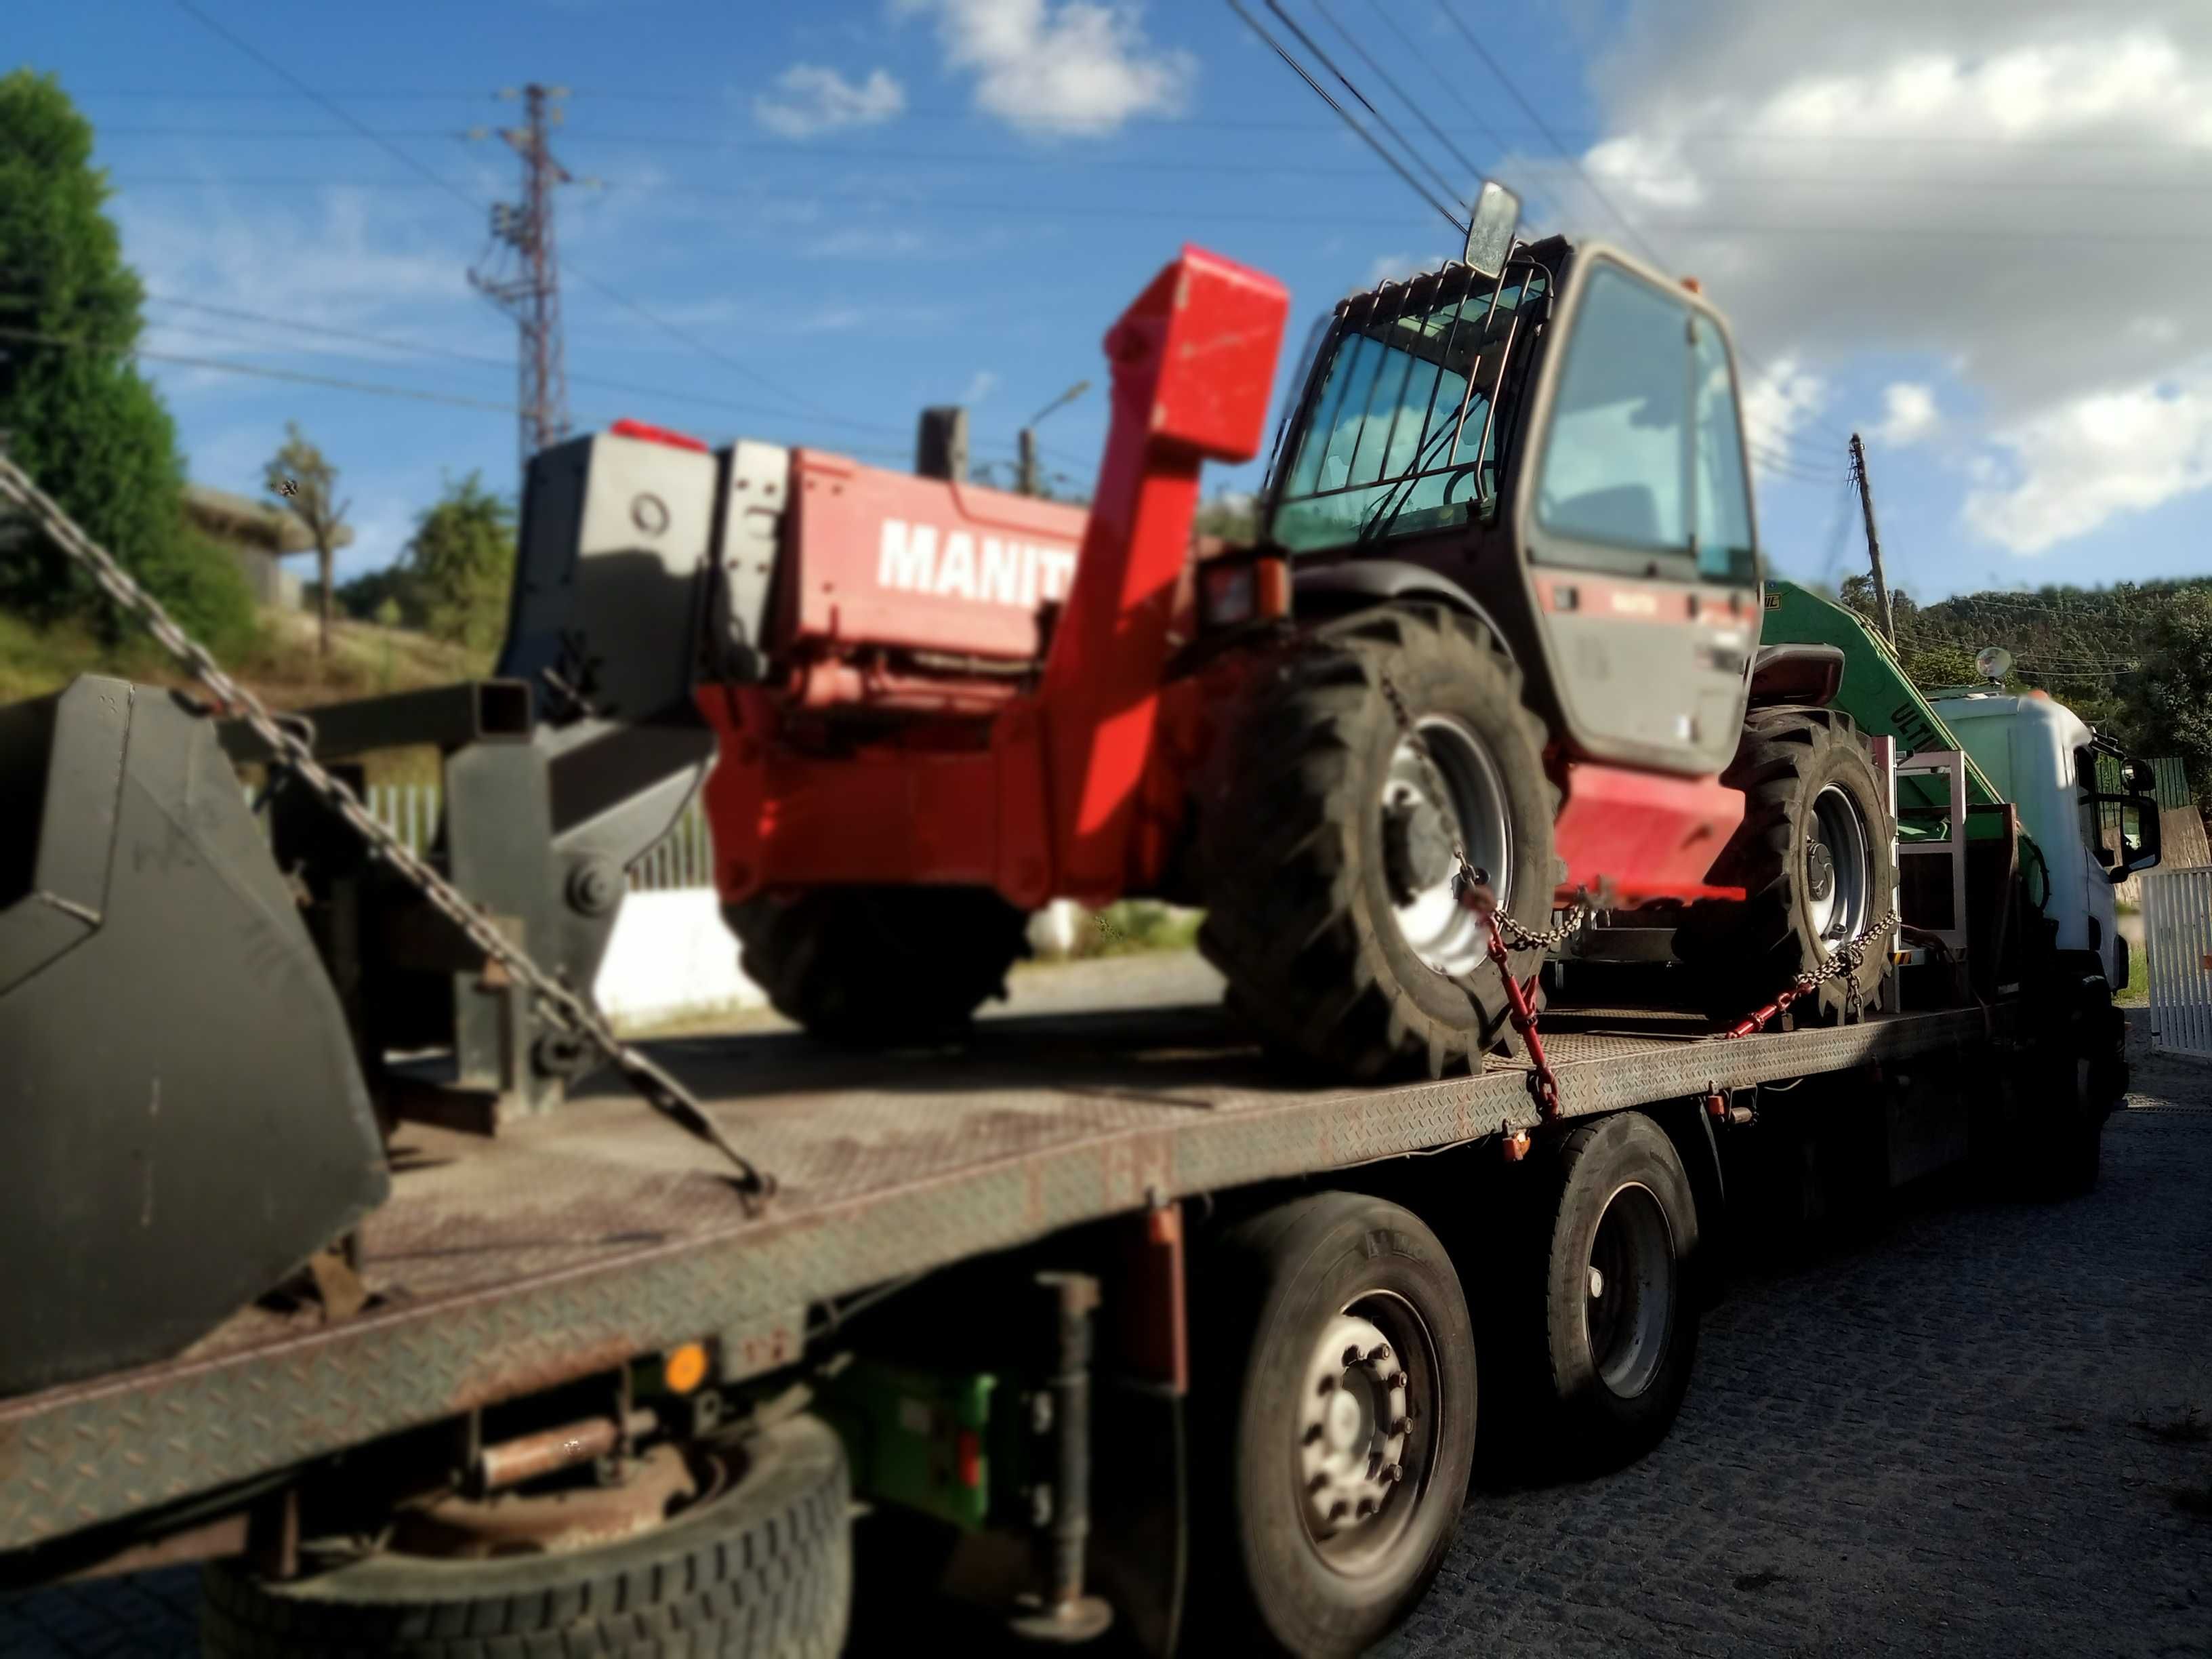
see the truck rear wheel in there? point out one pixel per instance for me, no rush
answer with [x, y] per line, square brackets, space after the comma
[871, 966]
[1620, 1319]
[1334, 1425]
[760, 1566]
[1327, 851]
[1812, 858]
[2072, 1078]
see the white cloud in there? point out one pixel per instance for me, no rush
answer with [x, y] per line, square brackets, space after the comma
[1909, 414]
[1079, 67]
[1393, 267]
[1912, 179]
[810, 99]
[980, 386]
[1778, 400]
[2093, 457]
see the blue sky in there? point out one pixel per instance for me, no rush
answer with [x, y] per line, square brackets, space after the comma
[823, 218]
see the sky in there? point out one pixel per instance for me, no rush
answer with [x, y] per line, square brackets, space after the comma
[1970, 230]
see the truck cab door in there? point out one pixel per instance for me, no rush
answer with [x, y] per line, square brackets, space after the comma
[1634, 520]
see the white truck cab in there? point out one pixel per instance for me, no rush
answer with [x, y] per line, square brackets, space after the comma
[2035, 752]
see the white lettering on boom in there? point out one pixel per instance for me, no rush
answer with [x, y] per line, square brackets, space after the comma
[1021, 574]
[910, 556]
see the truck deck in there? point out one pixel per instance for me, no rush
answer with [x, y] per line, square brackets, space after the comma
[570, 1242]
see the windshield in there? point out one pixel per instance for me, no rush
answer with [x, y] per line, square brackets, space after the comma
[1387, 441]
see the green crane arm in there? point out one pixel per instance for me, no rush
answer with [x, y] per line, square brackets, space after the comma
[1876, 691]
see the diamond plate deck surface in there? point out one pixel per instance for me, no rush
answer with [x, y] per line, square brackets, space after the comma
[577, 1240]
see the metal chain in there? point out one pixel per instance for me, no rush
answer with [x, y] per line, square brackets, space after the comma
[1464, 873]
[1846, 960]
[565, 1008]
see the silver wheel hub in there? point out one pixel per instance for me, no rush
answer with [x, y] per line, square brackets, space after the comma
[1838, 858]
[1421, 810]
[1352, 1431]
[1628, 1310]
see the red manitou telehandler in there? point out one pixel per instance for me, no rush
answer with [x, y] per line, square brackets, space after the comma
[1504, 606]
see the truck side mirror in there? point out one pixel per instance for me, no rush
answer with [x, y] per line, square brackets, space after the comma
[2140, 837]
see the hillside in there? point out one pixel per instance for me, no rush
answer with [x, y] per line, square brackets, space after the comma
[282, 669]
[2133, 660]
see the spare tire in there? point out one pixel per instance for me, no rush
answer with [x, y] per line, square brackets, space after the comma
[762, 1567]
[1812, 855]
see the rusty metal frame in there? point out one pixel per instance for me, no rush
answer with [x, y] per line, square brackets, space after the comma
[77, 1457]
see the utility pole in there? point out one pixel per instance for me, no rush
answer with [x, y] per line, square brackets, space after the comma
[1028, 481]
[940, 448]
[1874, 538]
[530, 292]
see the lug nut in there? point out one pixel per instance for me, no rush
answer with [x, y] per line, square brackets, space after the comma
[1400, 1426]
[1351, 1357]
[1393, 1473]
[1367, 1507]
[1378, 1353]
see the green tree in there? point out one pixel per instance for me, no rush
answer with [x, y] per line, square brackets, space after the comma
[1232, 515]
[385, 596]
[460, 564]
[2173, 697]
[303, 482]
[78, 416]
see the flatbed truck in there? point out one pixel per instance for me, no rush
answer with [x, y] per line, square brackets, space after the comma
[1162, 1333]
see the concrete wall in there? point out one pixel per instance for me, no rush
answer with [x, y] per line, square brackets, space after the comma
[673, 958]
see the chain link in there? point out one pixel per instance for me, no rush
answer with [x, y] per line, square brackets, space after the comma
[564, 1007]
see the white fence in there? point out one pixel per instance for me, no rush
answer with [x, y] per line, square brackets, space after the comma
[682, 860]
[2178, 943]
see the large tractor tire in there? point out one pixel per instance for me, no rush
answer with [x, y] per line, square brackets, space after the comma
[761, 1568]
[876, 966]
[1327, 859]
[1333, 1424]
[1812, 858]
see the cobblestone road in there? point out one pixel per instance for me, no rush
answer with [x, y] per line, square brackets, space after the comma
[1967, 1434]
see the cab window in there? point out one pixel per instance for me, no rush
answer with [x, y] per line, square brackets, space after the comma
[1723, 501]
[1642, 462]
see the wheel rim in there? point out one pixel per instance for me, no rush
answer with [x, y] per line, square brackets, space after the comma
[1362, 1443]
[1416, 832]
[1628, 1290]
[1838, 869]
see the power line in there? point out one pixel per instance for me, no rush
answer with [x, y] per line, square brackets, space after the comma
[1345, 115]
[1443, 79]
[2042, 184]
[1528, 109]
[481, 359]
[1886, 139]
[1450, 191]
[36, 336]
[1641, 240]
[413, 394]
[1077, 211]
[413, 164]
